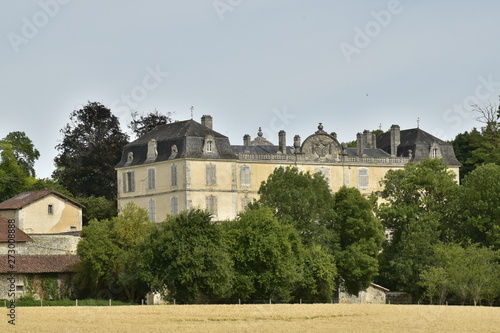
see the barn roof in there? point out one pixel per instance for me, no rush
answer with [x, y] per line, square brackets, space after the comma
[26, 198]
[20, 236]
[40, 263]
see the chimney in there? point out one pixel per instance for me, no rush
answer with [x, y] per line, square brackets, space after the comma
[395, 140]
[282, 141]
[246, 140]
[206, 121]
[368, 138]
[359, 139]
[296, 142]
[374, 140]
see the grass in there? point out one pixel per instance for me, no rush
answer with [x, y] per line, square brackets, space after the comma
[256, 318]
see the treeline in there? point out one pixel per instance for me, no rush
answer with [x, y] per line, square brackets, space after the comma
[298, 242]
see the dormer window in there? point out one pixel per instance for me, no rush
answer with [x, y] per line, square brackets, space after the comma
[130, 157]
[152, 151]
[209, 144]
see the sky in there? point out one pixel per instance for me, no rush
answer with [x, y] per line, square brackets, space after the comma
[276, 64]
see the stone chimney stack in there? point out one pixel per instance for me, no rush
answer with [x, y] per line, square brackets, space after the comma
[296, 142]
[374, 140]
[282, 141]
[206, 121]
[395, 140]
[246, 139]
[359, 139]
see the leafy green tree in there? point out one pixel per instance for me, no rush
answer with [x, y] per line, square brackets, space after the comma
[319, 275]
[464, 145]
[186, 259]
[300, 199]
[470, 273]
[142, 124]
[97, 208]
[13, 179]
[360, 236]
[92, 145]
[25, 152]
[436, 283]
[110, 255]
[267, 257]
[477, 210]
[47, 184]
[415, 212]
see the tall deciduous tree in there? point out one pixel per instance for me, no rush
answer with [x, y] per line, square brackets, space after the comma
[110, 255]
[186, 260]
[300, 199]
[24, 151]
[13, 178]
[267, 256]
[141, 124]
[478, 210]
[415, 213]
[360, 235]
[92, 145]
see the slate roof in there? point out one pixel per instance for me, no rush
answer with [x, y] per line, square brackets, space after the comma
[260, 149]
[188, 136]
[26, 198]
[49, 263]
[20, 236]
[419, 142]
[369, 152]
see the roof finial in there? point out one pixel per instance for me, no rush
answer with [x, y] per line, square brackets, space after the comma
[259, 133]
[192, 108]
[418, 122]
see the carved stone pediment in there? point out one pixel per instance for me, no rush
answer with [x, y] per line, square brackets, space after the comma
[321, 147]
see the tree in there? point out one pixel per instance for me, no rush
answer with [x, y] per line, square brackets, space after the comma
[464, 145]
[97, 208]
[24, 151]
[360, 235]
[478, 209]
[300, 199]
[92, 145]
[110, 255]
[186, 260]
[142, 124]
[13, 179]
[415, 212]
[267, 257]
[470, 273]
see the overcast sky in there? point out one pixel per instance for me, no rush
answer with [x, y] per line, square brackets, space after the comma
[278, 64]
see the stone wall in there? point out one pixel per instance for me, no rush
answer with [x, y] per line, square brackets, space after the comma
[28, 282]
[52, 244]
[371, 295]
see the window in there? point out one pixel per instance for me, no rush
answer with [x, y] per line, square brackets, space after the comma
[50, 209]
[363, 178]
[152, 210]
[325, 172]
[245, 175]
[209, 146]
[174, 206]
[212, 205]
[128, 182]
[434, 153]
[152, 151]
[245, 201]
[173, 175]
[20, 288]
[151, 179]
[211, 174]
[72, 228]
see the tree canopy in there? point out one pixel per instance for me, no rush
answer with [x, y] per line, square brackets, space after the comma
[91, 146]
[141, 124]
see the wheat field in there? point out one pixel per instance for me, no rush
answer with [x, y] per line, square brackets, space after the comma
[256, 318]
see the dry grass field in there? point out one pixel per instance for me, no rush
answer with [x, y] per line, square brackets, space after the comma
[255, 318]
